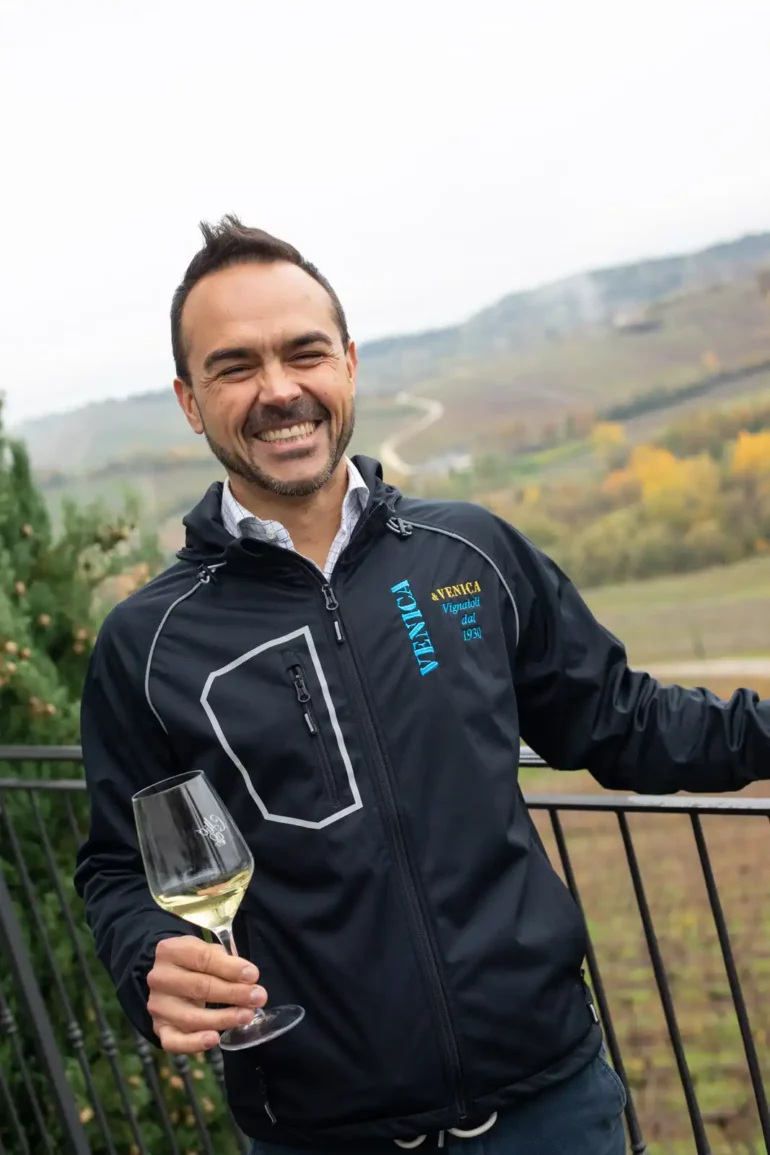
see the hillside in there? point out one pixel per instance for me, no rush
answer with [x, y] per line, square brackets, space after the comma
[524, 321]
[526, 361]
[519, 388]
[698, 337]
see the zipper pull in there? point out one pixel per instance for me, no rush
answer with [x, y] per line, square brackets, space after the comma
[329, 597]
[589, 997]
[300, 686]
[332, 606]
[303, 697]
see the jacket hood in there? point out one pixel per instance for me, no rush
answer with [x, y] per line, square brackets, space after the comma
[205, 533]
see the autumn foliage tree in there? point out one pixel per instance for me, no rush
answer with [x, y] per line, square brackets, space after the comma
[697, 496]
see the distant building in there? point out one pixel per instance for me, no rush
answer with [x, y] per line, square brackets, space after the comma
[637, 321]
[453, 462]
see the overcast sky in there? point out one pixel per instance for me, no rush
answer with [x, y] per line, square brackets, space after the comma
[429, 157]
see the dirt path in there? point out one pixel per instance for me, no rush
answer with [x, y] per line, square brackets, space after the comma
[432, 411]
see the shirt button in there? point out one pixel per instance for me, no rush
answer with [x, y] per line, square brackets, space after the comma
[272, 532]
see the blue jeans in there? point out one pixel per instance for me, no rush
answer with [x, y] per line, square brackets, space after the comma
[582, 1116]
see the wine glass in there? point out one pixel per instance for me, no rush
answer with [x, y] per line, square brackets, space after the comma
[198, 867]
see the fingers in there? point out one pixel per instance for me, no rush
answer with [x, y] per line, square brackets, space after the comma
[167, 978]
[190, 1018]
[193, 954]
[176, 1042]
[187, 974]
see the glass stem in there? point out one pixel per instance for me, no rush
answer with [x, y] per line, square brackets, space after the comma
[225, 936]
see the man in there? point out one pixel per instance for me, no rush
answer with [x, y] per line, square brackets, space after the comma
[401, 893]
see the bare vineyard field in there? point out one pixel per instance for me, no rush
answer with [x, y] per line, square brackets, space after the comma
[715, 613]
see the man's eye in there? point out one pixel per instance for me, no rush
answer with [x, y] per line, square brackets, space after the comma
[233, 369]
[309, 356]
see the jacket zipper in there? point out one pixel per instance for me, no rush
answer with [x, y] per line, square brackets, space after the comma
[333, 606]
[383, 779]
[401, 855]
[304, 698]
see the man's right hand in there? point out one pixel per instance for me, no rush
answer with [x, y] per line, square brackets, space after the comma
[187, 974]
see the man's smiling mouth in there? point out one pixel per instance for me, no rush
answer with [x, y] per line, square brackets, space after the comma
[289, 432]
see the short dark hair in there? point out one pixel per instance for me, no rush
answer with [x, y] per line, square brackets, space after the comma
[231, 243]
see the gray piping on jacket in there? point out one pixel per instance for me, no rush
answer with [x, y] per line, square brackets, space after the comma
[487, 558]
[202, 581]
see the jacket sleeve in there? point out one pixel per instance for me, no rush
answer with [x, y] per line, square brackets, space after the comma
[124, 748]
[581, 707]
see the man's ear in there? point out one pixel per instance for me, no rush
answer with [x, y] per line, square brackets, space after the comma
[188, 404]
[351, 360]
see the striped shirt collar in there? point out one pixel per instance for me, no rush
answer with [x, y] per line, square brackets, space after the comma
[240, 522]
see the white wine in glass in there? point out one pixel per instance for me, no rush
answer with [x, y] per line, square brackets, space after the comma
[199, 867]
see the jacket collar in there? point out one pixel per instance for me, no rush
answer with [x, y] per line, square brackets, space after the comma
[207, 538]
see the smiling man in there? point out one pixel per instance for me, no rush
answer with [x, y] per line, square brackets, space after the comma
[266, 372]
[353, 670]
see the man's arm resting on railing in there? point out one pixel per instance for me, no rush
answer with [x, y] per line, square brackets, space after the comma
[581, 707]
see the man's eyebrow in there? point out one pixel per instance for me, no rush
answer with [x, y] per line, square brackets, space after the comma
[314, 337]
[243, 353]
[234, 353]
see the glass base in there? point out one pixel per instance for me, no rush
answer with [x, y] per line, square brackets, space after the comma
[265, 1025]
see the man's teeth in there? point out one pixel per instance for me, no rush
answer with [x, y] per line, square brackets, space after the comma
[285, 434]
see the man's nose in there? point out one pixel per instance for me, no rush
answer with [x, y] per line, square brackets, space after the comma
[277, 386]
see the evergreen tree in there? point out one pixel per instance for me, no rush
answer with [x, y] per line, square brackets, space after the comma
[55, 587]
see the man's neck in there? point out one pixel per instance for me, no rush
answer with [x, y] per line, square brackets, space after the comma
[312, 522]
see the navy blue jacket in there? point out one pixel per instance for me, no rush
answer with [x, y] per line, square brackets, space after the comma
[401, 893]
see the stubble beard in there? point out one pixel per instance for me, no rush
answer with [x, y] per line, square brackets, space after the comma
[252, 474]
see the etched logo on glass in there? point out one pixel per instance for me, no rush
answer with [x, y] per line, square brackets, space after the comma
[213, 828]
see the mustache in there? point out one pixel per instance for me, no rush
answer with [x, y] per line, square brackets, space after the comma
[272, 416]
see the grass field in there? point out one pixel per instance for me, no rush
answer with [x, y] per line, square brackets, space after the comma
[721, 612]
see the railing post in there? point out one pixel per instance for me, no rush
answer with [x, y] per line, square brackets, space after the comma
[638, 1145]
[664, 990]
[741, 1013]
[20, 967]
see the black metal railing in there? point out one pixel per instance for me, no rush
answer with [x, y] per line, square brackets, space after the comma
[686, 1032]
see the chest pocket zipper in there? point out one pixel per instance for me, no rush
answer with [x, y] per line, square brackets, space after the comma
[304, 698]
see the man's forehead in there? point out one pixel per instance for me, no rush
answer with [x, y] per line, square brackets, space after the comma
[266, 303]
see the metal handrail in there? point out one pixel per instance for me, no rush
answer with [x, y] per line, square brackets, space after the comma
[41, 753]
[528, 758]
[621, 805]
[612, 803]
